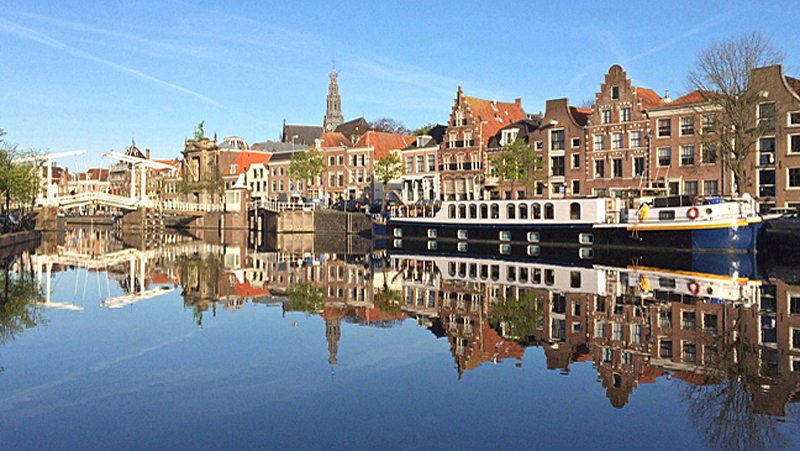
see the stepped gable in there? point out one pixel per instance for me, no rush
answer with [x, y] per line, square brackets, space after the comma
[384, 142]
[245, 159]
[334, 139]
[494, 115]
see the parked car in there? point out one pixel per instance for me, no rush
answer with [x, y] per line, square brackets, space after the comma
[346, 205]
[377, 205]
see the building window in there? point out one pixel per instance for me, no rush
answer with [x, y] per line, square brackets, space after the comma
[794, 118]
[606, 116]
[576, 142]
[431, 163]
[665, 349]
[636, 138]
[794, 143]
[766, 151]
[460, 160]
[576, 187]
[576, 161]
[420, 163]
[664, 156]
[453, 138]
[665, 127]
[557, 140]
[709, 154]
[709, 123]
[617, 173]
[468, 142]
[638, 166]
[615, 92]
[460, 120]
[616, 140]
[599, 169]
[331, 162]
[794, 177]
[557, 166]
[687, 126]
[599, 142]
[794, 304]
[687, 155]
[410, 165]
[539, 145]
[710, 188]
[625, 115]
[766, 116]
[690, 187]
[689, 353]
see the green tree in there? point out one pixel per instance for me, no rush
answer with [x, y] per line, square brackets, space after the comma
[304, 297]
[19, 180]
[723, 72]
[518, 162]
[19, 302]
[387, 169]
[519, 317]
[307, 165]
[424, 129]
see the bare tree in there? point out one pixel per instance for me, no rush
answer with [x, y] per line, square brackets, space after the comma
[723, 74]
[388, 125]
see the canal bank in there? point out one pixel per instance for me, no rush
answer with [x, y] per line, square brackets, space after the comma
[13, 243]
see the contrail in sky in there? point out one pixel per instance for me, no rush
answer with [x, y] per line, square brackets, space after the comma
[27, 33]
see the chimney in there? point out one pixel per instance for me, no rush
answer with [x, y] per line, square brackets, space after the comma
[518, 102]
[147, 153]
[666, 97]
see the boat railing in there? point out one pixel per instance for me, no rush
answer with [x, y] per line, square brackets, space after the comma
[413, 211]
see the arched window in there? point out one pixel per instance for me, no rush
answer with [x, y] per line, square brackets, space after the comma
[548, 211]
[536, 211]
[484, 211]
[473, 211]
[462, 211]
[495, 211]
[523, 211]
[451, 211]
[511, 211]
[574, 210]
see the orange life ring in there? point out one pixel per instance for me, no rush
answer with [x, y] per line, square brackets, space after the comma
[694, 288]
[693, 213]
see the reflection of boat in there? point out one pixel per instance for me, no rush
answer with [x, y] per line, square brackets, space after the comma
[521, 227]
[647, 283]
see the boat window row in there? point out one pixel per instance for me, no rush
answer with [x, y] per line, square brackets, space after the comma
[512, 211]
[513, 273]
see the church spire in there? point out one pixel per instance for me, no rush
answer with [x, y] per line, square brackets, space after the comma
[333, 113]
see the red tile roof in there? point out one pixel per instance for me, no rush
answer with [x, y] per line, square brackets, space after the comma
[246, 159]
[331, 312]
[696, 96]
[334, 139]
[384, 142]
[794, 84]
[495, 115]
[246, 290]
[176, 163]
[649, 98]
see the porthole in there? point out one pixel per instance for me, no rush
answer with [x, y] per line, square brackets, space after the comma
[533, 237]
[504, 235]
[533, 250]
[505, 249]
[586, 253]
[586, 238]
[462, 246]
[432, 245]
[398, 233]
[432, 233]
[462, 234]
[398, 243]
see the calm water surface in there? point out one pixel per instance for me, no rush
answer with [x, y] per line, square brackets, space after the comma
[193, 345]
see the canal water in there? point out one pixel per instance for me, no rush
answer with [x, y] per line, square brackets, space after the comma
[178, 343]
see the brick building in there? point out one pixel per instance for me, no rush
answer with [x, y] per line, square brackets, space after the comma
[462, 158]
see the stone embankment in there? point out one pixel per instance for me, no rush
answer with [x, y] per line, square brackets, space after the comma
[13, 243]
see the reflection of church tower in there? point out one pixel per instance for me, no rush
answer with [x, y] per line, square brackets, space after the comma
[333, 114]
[333, 332]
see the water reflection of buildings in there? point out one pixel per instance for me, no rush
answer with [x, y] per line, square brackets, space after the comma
[635, 324]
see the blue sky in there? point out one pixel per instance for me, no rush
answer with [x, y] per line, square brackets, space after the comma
[93, 74]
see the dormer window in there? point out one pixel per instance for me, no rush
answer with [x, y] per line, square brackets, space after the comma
[509, 136]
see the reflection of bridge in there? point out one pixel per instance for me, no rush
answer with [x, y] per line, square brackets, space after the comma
[135, 260]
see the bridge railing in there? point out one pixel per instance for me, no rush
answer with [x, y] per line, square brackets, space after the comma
[277, 206]
[185, 206]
